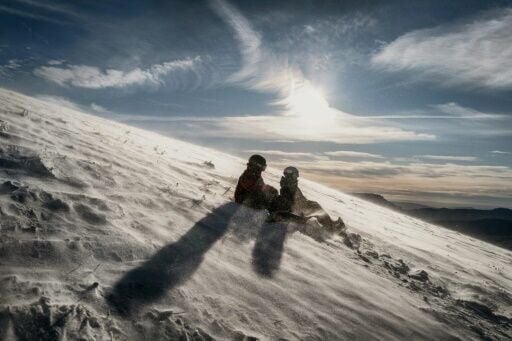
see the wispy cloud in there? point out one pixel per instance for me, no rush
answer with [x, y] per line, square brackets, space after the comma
[285, 155]
[286, 128]
[162, 119]
[269, 129]
[92, 77]
[448, 183]
[56, 62]
[31, 15]
[362, 169]
[447, 157]
[261, 69]
[476, 53]
[50, 7]
[500, 152]
[279, 153]
[352, 154]
[457, 111]
[448, 111]
[306, 114]
[6, 69]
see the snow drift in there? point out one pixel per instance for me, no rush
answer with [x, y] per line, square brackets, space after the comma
[112, 232]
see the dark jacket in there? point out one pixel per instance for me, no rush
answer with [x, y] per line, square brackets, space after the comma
[250, 187]
[293, 201]
[253, 192]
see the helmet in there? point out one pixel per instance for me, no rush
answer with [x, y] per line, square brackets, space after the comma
[257, 161]
[291, 172]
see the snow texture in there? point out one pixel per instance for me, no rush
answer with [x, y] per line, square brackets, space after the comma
[112, 232]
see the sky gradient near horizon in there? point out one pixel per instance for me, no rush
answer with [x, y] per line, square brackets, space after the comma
[412, 100]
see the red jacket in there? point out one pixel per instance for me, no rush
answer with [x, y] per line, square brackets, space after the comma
[250, 184]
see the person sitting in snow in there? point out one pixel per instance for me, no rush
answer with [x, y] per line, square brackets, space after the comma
[251, 190]
[292, 205]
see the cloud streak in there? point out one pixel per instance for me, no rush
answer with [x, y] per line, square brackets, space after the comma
[455, 110]
[286, 128]
[445, 111]
[92, 77]
[475, 53]
[56, 9]
[30, 15]
[447, 158]
[352, 154]
[261, 69]
[448, 183]
[284, 155]
[7, 69]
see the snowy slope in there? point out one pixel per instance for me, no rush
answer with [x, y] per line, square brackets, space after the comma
[92, 209]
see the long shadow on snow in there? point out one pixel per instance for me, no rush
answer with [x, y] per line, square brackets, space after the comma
[172, 265]
[268, 249]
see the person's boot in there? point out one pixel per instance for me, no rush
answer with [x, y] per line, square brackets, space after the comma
[339, 225]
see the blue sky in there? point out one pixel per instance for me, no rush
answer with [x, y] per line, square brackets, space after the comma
[408, 99]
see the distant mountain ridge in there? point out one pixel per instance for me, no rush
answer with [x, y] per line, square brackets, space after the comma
[378, 199]
[494, 225]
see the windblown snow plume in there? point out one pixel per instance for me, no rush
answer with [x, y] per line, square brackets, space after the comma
[111, 232]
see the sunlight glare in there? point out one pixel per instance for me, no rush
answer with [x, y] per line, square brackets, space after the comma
[309, 109]
[307, 101]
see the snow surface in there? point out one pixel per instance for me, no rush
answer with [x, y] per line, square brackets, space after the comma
[112, 232]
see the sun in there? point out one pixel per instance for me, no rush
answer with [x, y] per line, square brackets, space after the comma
[307, 102]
